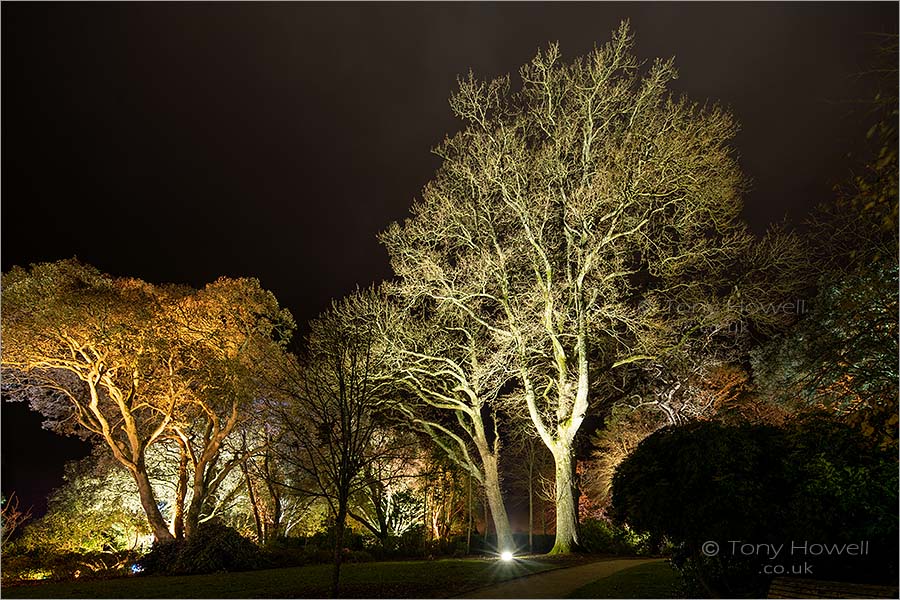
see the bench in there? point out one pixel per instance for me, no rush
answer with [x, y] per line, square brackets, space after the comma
[797, 587]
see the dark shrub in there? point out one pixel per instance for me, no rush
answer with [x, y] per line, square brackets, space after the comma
[814, 481]
[412, 543]
[214, 547]
[358, 556]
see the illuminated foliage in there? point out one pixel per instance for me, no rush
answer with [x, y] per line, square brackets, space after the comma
[97, 509]
[131, 364]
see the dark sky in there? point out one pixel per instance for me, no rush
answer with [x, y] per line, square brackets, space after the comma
[181, 141]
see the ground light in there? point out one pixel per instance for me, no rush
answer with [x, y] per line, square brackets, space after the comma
[506, 556]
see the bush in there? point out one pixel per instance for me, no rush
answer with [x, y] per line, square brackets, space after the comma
[412, 542]
[213, 548]
[602, 537]
[814, 480]
[62, 566]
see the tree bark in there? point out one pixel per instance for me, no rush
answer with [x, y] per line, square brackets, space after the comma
[339, 524]
[252, 496]
[531, 501]
[469, 523]
[192, 521]
[495, 501]
[180, 494]
[566, 509]
[148, 502]
[275, 531]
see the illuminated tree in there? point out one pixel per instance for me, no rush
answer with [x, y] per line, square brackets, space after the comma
[229, 329]
[96, 509]
[93, 354]
[388, 504]
[132, 365]
[452, 371]
[569, 220]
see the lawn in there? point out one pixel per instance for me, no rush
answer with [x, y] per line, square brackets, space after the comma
[408, 579]
[650, 580]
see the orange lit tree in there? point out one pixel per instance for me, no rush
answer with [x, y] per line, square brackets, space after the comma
[131, 364]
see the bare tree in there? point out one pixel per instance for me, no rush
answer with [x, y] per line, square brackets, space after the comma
[567, 218]
[328, 405]
[13, 517]
[452, 370]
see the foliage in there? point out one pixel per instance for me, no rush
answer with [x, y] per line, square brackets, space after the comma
[129, 364]
[39, 564]
[682, 482]
[95, 510]
[843, 355]
[600, 536]
[214, 547]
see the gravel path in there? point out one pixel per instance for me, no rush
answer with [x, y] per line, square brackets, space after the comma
[559, 582]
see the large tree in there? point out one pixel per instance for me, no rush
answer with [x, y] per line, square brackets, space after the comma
[92, 353]
[843, 354]
[131, 365]
[449, 371]
[571, 219]
[228, 329]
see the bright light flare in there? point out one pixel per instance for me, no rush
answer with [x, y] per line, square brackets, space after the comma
[506, 556]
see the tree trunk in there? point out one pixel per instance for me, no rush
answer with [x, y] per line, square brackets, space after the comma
[180, 495]
[275, 531]
[192, 521]
[252, 496]
[531, 502]
[151, 509]
[487, 522]
[566, 509]
[495, 500]
[338, 548]
[469, 523]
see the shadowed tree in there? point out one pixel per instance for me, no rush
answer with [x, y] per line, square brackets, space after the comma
[843, 354]
[328, 405]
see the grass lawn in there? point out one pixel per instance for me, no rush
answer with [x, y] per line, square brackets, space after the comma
[408, 579]
[651, 580]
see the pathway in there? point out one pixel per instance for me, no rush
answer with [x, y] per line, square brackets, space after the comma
[557, 583]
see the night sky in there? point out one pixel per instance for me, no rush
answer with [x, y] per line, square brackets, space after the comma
[179, 142]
